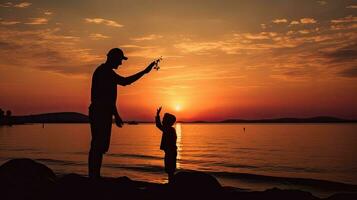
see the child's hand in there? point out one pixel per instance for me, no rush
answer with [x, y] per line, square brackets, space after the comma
[158, 110]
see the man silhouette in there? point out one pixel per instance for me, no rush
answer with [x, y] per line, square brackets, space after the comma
[103, 106]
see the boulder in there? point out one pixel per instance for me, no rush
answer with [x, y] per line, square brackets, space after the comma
[22, 172]
[195, 183]
[26, 178]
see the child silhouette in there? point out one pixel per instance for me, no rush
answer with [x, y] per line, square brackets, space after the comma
[168, 141]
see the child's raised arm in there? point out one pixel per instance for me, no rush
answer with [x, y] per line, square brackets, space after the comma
[157, 118]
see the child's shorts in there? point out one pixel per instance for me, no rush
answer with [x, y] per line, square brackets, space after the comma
[170, 161]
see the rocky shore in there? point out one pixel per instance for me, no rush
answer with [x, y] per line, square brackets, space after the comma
[28, 179]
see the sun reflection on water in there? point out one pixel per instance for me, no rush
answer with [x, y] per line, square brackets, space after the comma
[178, 143]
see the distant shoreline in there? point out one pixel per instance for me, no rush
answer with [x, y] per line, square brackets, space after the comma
[73, 117]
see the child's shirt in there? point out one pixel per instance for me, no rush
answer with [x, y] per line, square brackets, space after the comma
[168, 138]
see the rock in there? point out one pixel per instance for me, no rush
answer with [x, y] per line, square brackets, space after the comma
[276, 193]
[22, 172]
[26, 178]
[195, 183]
[343, 196]
[74, 186]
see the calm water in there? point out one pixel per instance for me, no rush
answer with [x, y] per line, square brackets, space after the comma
[314, 151]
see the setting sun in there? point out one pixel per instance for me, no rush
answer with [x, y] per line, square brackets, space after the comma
[178, 107]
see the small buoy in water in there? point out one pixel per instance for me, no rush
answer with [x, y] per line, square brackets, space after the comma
[244, 129]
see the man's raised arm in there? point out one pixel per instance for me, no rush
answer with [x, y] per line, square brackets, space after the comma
[131, 79]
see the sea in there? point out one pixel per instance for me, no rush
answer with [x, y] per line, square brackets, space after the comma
[319, 158]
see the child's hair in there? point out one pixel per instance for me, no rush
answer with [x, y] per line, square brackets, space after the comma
[169, 119]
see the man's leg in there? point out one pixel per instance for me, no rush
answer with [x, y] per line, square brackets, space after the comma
[99, 146]
[94, 163]
[95, 155]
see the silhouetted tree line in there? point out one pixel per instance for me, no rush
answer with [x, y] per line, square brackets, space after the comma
[5, 118]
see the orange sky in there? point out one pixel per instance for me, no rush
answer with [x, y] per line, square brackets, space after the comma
[222, 59]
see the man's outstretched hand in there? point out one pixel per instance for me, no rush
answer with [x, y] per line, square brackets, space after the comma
[149, 68]
[119, 122]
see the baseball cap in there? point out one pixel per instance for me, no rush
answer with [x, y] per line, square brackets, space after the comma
[116, 53]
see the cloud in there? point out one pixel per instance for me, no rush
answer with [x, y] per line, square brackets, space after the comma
[136, 46]
[308, 21]
[346, 19]
[263, 26]
[143, 51]
[199, 47]
[322, 3]
[148, 37]
[343, 27]
[103, 21]
[256, 36]
[48, 13]
[6, 23]
[37, 21]
[294, 70]
[22, 5]
[294, 22]
[304, 31]
[8, 45]
[352, 6]
[350, 72]
[6, 5]
[344, 54]
[279, 21]
[18, 5]
[98, 36]
[207, 74]
[45, 49]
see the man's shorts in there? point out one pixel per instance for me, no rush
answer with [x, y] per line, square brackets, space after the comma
[101, 125]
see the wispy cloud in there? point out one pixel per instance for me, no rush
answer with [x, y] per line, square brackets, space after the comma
[339, 27]
[46, 49]
[322, 3]
[148, 37]
[22, 5]
[48, 13]
[346, 19]
[280, 21]
[350, 72]
[352, 6]
[259, 36]
[294, 22]
[196, 76]
[6, 23]
[305, 31]
[37, 21]
[293, 71]
[344, 54]
[136, 46]
[144, 51]
[18, 5]
[6, 5]
[98, 36]
[106, 22]
[308, 21]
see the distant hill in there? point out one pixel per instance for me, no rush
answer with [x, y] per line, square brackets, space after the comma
[61, 117]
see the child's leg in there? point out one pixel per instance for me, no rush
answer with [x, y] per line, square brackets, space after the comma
[170, 164]
[170, 176]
